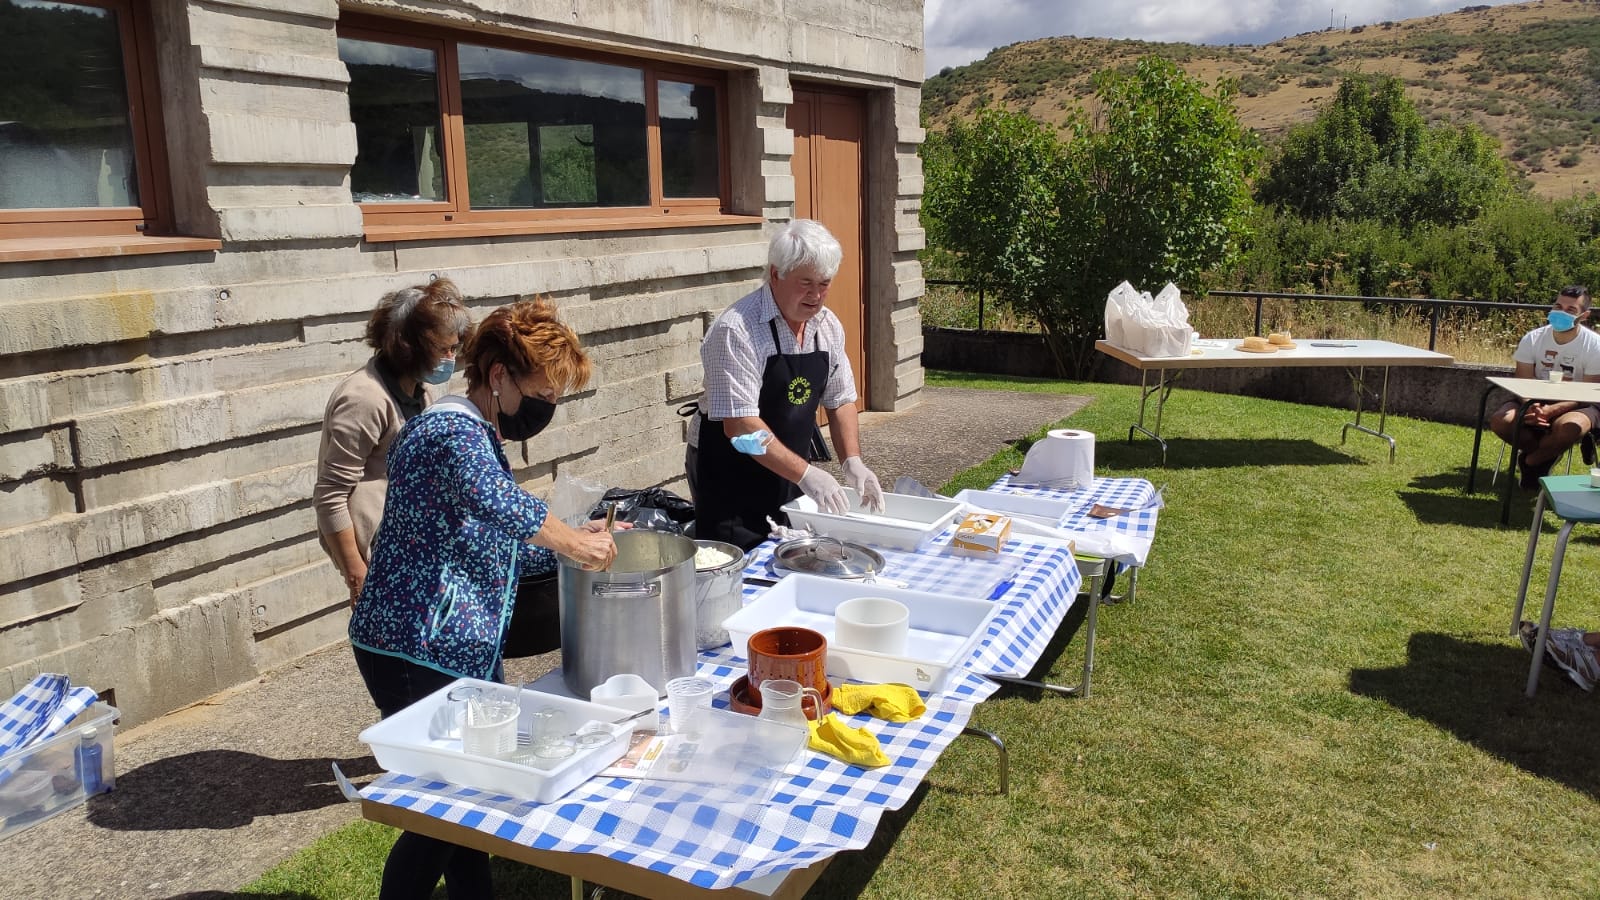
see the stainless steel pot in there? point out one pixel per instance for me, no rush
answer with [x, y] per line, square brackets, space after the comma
[637, 616]
[718, 594]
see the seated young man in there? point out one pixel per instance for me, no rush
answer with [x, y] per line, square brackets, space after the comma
[1567, 345]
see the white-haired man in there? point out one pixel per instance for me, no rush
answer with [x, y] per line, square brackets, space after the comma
[770, 360]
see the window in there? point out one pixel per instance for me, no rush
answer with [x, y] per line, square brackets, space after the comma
[463, 129]
[79, 121]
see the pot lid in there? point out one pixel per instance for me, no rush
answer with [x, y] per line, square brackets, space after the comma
[827, 556]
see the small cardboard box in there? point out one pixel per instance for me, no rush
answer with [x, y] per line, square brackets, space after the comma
[981, 534]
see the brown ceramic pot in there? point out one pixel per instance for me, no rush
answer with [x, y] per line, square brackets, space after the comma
[798, 654]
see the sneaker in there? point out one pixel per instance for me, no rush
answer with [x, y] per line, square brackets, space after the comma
[1586, 448]
[1532, 473]
[1529, 633]
[1575, 659]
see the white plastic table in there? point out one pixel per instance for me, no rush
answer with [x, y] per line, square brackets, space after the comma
[1355, 356]
[1528, 391]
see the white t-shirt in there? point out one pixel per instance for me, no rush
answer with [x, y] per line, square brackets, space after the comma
[1579, 358]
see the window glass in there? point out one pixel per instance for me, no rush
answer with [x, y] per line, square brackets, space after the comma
[543, 131]
[688, 115]
[394, 103]
[65, 136]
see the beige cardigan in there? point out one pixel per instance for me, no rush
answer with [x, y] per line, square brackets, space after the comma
[360, 423]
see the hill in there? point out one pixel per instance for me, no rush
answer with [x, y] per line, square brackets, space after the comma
[1528, 74]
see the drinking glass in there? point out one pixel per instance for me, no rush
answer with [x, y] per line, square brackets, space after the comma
[686, 697]
[491, 724]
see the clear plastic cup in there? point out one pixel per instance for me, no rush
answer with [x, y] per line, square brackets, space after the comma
[491, 724]
[552, 734]
[1556, 375]
[686, 697]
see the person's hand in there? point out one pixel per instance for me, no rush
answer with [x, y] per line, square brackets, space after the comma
[599, 525]
[1536, 416]
[354, 577]
[861, 478]
[825, 490]
[593, 549]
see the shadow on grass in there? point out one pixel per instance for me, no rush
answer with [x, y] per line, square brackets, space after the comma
[217, 789]
[235, 895]
[850, 873]
[1220, 453]
[1474, 691]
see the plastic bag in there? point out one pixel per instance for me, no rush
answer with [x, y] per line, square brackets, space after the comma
[573, 498]
[657, 509]
[1149, 326]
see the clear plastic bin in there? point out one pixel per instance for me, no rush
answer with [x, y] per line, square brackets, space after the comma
[47, 778]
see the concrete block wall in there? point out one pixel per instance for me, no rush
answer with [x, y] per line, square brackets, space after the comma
[159, 413]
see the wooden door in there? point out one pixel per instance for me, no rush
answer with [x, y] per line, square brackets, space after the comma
[829, 186]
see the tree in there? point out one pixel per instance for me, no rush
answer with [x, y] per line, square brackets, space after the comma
[1151, 188]
[1369, 155]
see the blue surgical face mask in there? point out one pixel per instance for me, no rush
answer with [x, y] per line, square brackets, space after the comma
[440, 373]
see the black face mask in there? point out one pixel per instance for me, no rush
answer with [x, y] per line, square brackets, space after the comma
[531, 417]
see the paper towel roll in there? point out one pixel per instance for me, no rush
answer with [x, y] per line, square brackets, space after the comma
[1064, 460]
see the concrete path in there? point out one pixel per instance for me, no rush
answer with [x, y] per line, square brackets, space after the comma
[213, 795]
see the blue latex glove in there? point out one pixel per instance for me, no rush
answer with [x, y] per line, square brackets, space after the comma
[754, 443]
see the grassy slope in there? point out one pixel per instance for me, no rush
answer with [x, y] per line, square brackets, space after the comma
[1537, 84]
[1314, 695]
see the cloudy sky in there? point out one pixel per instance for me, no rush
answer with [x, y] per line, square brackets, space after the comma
[960, 31]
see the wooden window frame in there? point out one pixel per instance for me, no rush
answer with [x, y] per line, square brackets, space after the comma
[455, 215]
[153, 215]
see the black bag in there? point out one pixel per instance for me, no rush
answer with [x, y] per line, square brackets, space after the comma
[657, 509]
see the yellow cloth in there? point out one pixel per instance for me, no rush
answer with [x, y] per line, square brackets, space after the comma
[893, 702]
[856, 746]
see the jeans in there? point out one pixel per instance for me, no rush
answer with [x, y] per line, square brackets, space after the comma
[417, 861]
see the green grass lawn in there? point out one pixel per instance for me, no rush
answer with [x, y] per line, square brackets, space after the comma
[1315, 694]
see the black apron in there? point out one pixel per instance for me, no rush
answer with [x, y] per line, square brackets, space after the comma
[736, 494]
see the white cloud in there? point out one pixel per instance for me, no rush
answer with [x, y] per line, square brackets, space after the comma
[959, 31]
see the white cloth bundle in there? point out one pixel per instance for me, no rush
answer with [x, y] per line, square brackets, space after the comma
[1064, 459]
[1148, 326]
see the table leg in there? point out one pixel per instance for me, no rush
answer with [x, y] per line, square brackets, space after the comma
[1000, 746]
[1358, 379]
[577, 888]
[1527, 564]
[1095, 571]
[1477, 439]
[1549, 606]
[1162, 390]
[1516, 436]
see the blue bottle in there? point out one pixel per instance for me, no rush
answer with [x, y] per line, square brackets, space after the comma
[88, 759]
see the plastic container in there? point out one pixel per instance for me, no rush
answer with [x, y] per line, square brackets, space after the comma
[718, 594]
[906, 523]
[51, 777]
[401, 743]
[943, 629]
[1038, 510]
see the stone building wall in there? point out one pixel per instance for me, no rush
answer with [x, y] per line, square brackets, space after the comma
[159, 412]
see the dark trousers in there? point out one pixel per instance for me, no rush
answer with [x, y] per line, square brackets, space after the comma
[417, 861]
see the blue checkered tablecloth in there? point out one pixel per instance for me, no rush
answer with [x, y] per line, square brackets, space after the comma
[1138, 526]
[829, 806]
[934, 569]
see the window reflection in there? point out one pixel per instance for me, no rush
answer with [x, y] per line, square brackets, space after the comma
[688, 116]
[394, 103]
[542, 131]
[65, 136]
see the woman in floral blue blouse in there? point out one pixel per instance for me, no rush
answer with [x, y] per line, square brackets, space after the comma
[457, 532]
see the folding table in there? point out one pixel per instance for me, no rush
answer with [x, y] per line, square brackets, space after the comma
[1528, 391]
[1355, 356]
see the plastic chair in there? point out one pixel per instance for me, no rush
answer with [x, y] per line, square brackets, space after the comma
[1587, 439]
[1571, 498]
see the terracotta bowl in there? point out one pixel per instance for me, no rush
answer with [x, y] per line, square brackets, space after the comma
[742, 699]
[798, 654]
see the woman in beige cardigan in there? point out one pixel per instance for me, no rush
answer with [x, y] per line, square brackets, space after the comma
[415, 334]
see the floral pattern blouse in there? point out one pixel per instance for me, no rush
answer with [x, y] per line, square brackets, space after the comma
[450, 548]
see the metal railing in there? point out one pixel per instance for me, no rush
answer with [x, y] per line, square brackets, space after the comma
[1433, 306]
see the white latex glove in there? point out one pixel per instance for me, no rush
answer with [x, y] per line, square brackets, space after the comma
[825, 490]
[866, 484]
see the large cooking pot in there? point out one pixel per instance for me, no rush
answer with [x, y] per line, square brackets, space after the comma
[718, 592]
[637, 616]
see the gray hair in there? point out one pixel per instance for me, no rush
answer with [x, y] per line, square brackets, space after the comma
[804, 244]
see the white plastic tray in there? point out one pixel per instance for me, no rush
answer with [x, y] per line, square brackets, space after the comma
[942, 634]
[906, 523]
[401, 744]
[1019, 506]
